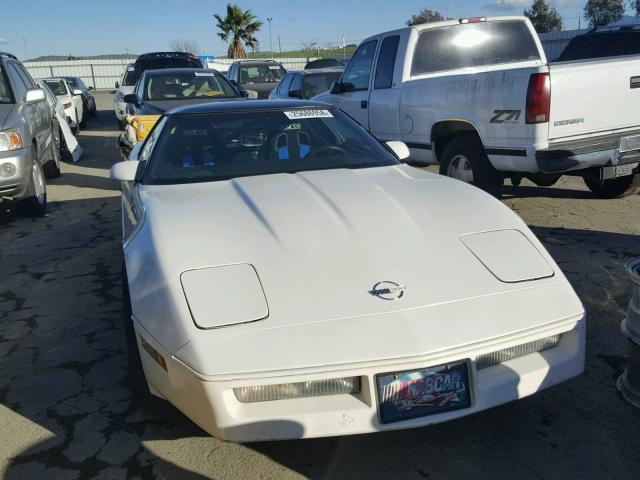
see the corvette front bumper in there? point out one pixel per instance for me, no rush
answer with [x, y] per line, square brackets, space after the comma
[212, 404]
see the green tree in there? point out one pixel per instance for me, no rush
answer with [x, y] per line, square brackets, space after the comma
[238, 27]
[544, 17]
[426, 16]
[603, 12]
[635, 4]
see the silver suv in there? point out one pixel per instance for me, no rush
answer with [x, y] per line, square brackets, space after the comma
[28, 151]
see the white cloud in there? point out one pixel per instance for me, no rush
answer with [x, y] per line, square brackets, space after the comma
[507, 5]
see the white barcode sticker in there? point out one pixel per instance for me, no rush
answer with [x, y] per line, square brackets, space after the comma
[205, 74]
[315, 113]
[274, 68]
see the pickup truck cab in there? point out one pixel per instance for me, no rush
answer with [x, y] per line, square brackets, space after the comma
[478, 97]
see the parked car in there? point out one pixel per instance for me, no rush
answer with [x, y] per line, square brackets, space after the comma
[324, 63]
[256, 77]
[159, 90]
[124, 87]
[27, 144]
[478, 97]
[71, 99]
[285, 276]
[148, 61]
[603, 42]
[57, 112]
[88, 102]
[306, 84]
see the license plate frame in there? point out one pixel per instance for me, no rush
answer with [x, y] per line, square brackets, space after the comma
[411, 394]
[624, 170]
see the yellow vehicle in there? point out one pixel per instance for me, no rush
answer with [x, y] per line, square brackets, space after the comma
[163, 89]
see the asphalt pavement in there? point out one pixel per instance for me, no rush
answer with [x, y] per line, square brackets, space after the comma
[66, 410]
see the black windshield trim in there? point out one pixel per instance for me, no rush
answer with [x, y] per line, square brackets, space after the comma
[233, 177]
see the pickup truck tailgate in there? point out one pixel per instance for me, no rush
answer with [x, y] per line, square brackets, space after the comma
[594, 96]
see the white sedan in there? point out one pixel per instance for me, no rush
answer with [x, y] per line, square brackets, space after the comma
[285, 276]
[71, 100]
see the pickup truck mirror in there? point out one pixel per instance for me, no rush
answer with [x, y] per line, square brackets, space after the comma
[132, 98]
[117, 84]
[335, 88]
[399, 149]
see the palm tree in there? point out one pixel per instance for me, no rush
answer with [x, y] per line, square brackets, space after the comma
[241, 26]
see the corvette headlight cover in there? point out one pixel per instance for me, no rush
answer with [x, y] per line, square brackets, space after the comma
[500, 356]
[509, 255]
[284, 391]
[225, 295]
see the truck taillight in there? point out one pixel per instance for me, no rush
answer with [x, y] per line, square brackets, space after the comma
[538, 98]
[473, 20]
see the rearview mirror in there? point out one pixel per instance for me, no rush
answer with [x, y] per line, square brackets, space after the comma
[131, 98]
[117, 84]
[335, 88]
[399, 149]
[125, 171]
[90, 88]
[295, 93]
[35, 95]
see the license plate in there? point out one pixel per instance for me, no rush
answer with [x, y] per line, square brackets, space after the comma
[624, 170]
[629, 143]
[418, 393]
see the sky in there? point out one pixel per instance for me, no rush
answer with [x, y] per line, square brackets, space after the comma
[95, 27]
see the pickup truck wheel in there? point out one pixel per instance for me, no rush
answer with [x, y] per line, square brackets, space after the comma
[614, 187]
[136, 378]
[465, 160]
[36, 204]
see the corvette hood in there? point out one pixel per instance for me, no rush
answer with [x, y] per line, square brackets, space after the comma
[320, 241]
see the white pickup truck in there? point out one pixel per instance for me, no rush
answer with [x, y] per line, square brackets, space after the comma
[478, 97]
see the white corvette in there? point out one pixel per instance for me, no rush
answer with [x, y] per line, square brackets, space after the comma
[287, 277]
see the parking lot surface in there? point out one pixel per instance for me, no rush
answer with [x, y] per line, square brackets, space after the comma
[66, 410]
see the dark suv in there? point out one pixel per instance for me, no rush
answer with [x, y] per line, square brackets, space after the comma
[27, 143]
[256, 77]
[603, 42]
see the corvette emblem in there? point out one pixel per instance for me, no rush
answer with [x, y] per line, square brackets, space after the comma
[388, 290]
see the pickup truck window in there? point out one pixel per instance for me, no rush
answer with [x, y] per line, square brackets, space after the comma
[473, 45]
[356, 75]
[602, 45]
[386, 62]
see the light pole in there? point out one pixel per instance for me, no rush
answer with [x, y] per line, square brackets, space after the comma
[270, 44]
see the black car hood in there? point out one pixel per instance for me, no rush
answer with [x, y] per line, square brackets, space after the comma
[158, 107]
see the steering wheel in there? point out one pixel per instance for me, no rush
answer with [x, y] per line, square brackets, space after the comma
[328, 149]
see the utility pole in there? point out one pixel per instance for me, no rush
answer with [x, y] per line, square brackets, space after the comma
[279, 45]
[24, 43]
[344, 48]
[270, 44]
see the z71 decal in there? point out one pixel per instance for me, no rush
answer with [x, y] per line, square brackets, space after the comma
[505, 116]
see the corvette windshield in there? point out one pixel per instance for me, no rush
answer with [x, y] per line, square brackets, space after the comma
[180, 86]
[225, 145]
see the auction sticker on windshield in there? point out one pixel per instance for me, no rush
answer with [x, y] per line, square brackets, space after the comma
[419, 393]
[315, 113]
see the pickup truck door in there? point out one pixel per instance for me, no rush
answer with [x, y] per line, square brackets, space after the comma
[384, 99]
[354, 85]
